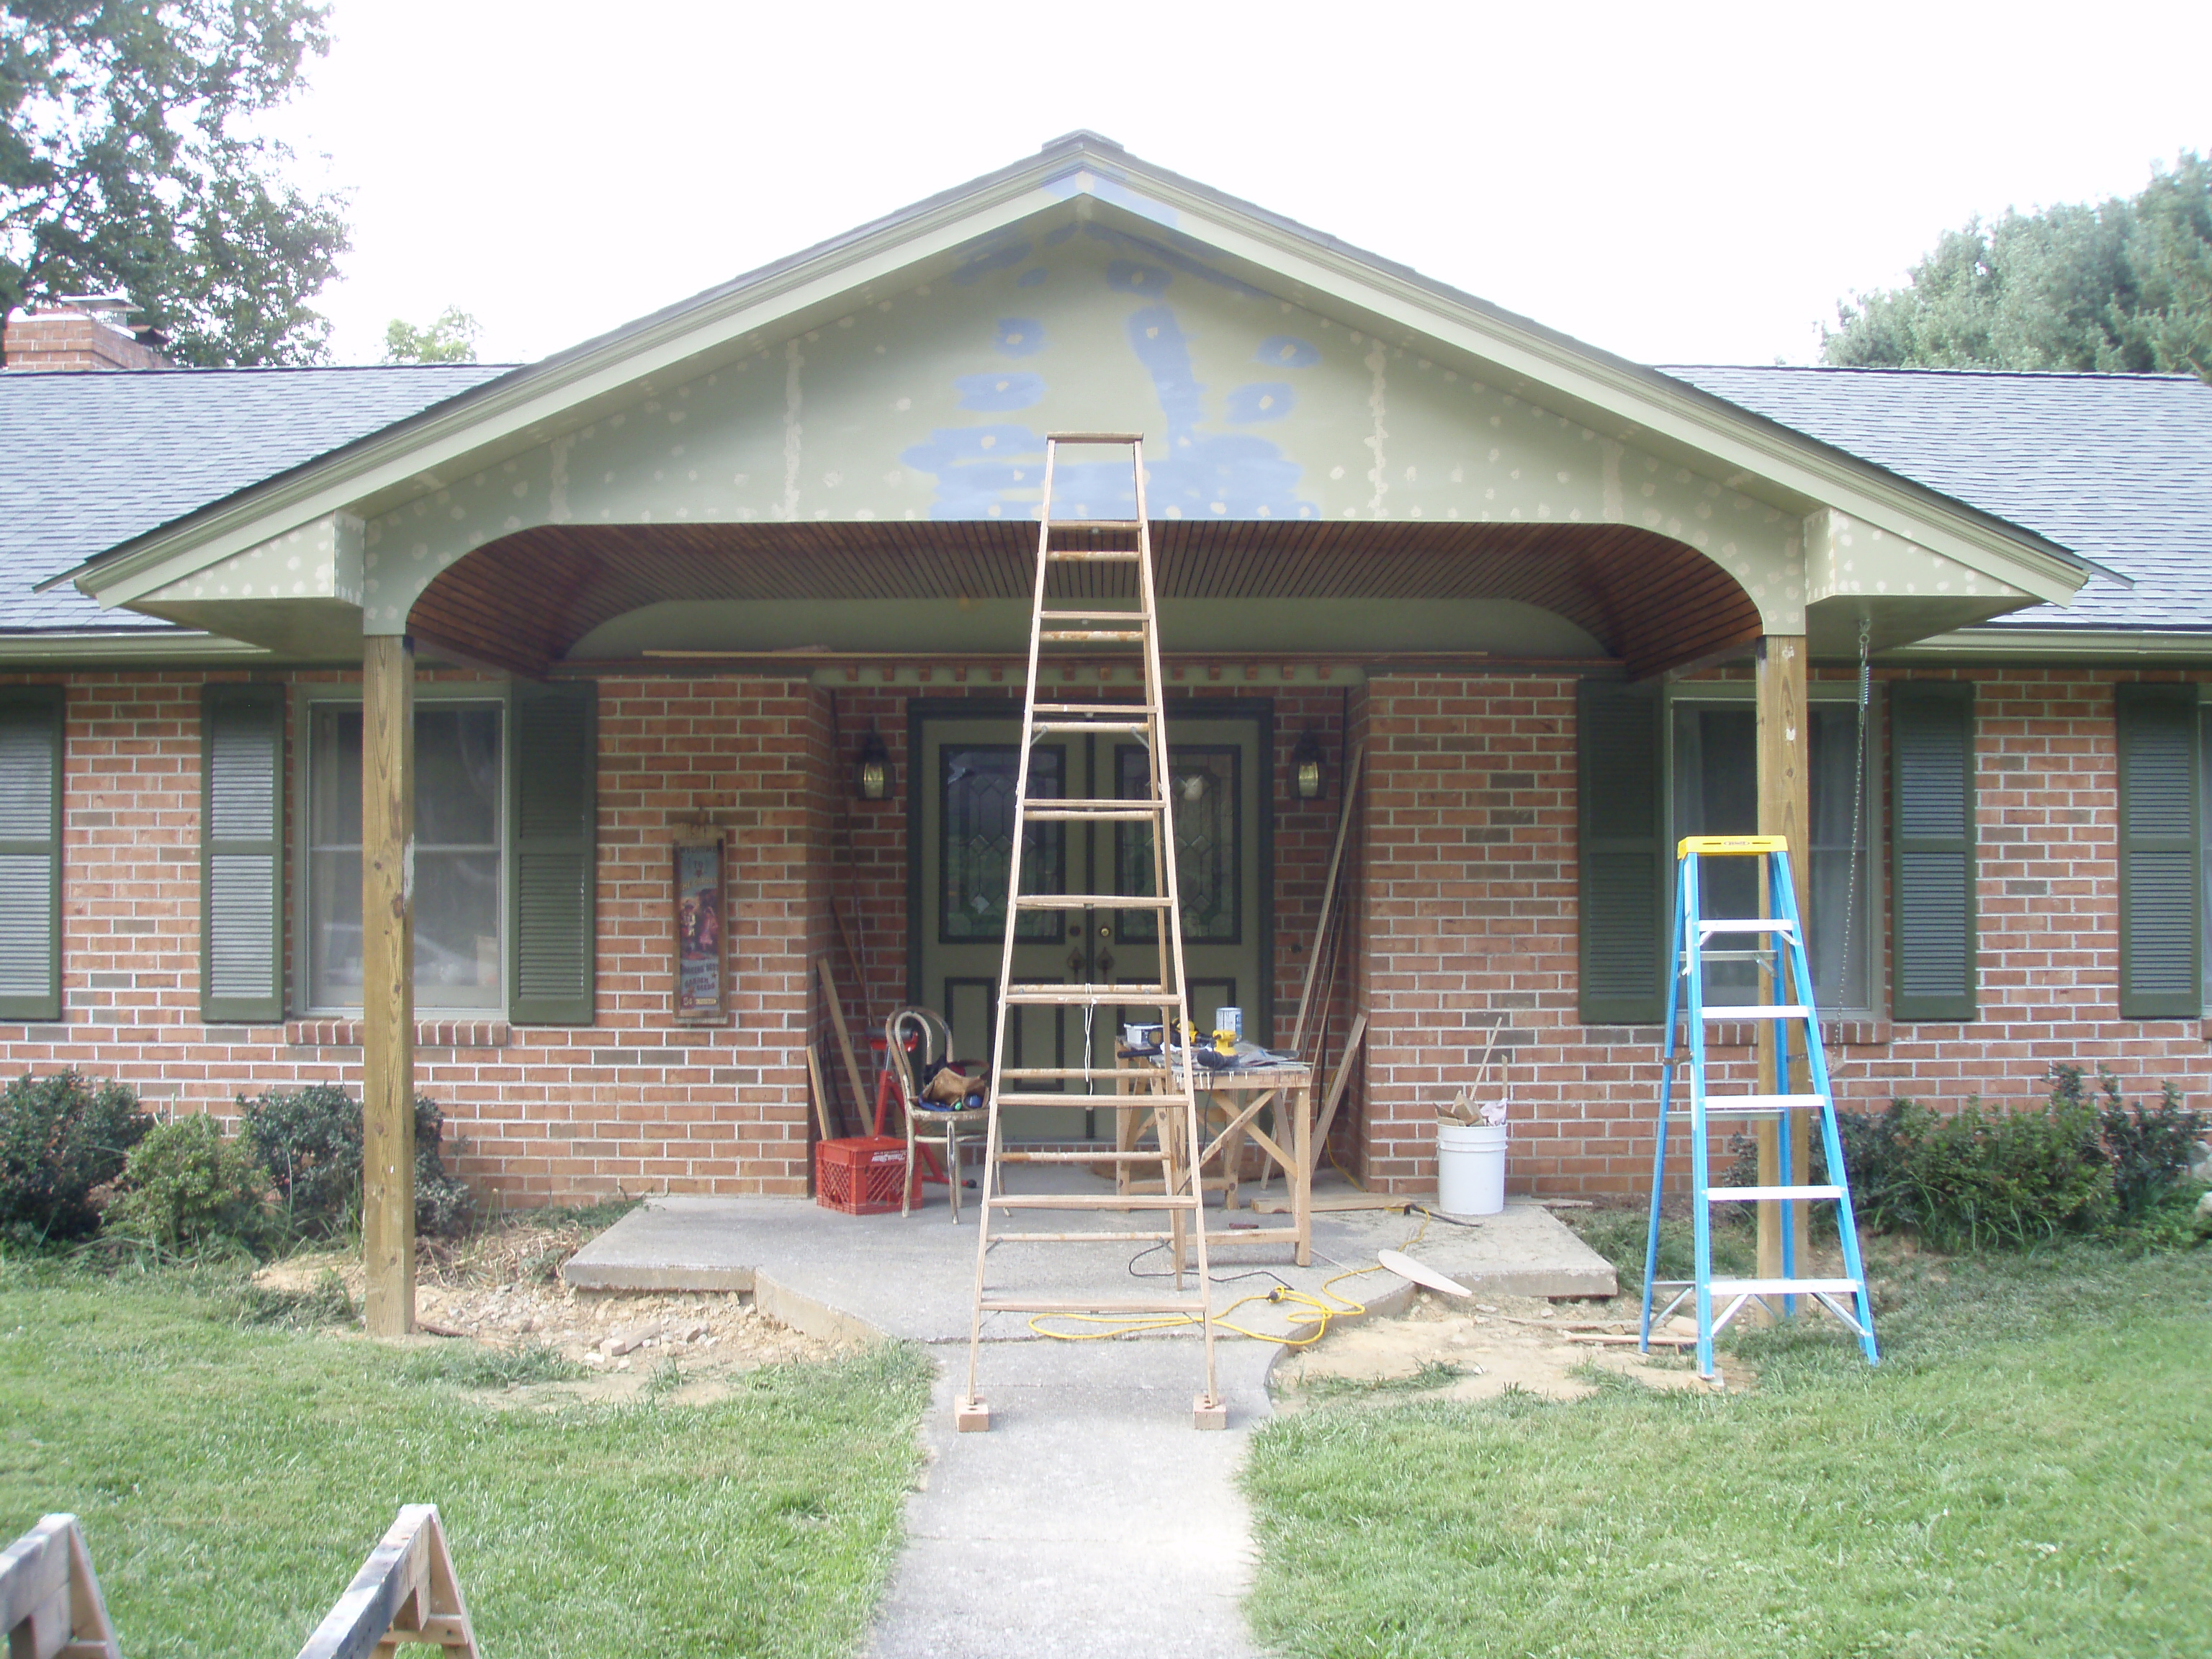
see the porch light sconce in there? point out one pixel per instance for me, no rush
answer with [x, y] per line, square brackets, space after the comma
[872, 774]
[1306, 766]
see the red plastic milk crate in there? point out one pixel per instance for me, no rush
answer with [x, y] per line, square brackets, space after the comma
[860, 1174]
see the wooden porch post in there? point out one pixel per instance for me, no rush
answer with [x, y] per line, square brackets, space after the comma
[387, 981]
[1785, 774]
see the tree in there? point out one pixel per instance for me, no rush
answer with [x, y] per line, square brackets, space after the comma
[2121, 287]
[451, 339]
[129, 161]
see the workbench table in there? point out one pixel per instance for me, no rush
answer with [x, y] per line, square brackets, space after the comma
[1236, 1099]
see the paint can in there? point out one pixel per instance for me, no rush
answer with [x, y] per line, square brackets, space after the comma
[1230, 1020]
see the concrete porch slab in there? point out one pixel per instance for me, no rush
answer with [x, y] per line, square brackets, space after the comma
[856, 1277]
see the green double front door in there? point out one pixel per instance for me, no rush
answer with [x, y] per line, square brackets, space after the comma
[965, 770]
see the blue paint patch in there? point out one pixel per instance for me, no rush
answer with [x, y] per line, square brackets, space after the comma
[1204, 475]
[1287, 351]
[1053, 238]
[980, 265]
[1031, 278]
[978, 468]
[1019, 336]
[1128, 277]
[999, 394]
[1263, 400]
[1157, 340]
[1175, 258]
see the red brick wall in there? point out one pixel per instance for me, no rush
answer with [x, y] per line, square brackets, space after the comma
[1471, 908]
[1461, 906]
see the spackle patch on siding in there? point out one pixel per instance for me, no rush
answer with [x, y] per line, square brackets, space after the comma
[794, 404]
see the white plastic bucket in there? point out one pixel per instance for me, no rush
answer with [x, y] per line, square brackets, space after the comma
[1471, 1168]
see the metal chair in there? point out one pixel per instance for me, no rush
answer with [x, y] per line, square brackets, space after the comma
[925, 1125]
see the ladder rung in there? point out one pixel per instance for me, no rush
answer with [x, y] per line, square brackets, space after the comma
[1756, 954]
[1123, 710]
[1188, 1304]
[1089, 1201]
[1783, 1287]
[1748, 925]
[1091, 555]
[1095, 615]
[1087, 902]
[1012, 1098]
[1754, 1105]
[1141, 728]
[1092, 636]
[1134, 996]
[1769, 1194]
[1155, 1156]
[1093, 813]
[1759, 1011]
[1094, 437]
[1154, 1236]
[1095, 1073]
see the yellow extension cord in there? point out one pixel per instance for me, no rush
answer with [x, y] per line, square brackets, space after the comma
[1309, 1311]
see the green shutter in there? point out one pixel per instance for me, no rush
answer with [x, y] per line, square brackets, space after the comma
[1931, 842]
[1625, 871]
[552, 815]
[241, 854]
[30, 851]
[2161, 903]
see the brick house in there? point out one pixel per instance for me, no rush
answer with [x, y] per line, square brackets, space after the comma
[692, 574]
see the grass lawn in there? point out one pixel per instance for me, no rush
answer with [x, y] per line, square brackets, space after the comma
[232, 1471]
[2029, 1472]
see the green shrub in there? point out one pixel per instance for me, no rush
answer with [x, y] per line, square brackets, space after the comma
[2150, 1147]
[187, 1185]
[310, 1139]
[61, 1136]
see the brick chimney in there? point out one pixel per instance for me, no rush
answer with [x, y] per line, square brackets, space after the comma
[78, 331]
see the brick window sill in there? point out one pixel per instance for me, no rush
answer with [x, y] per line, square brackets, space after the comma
[429, 1034]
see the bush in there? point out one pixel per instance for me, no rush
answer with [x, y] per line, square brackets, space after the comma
[1977, 1178]
[186, 1185]
[61, 1136]
[310, 1139]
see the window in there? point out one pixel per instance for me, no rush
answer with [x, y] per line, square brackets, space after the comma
[460, 864]
[1713, 790]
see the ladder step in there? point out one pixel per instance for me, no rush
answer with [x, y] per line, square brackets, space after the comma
[1095, 615]
[1088, 1103]
[1094, 555]
[1092, 636]
[1109, 709]
[1154, 1236]
[1094, 437]
[1153, 1156]
[1089, 1201]
[1769, 1194]
[1038, 1073]
[1754, 1105]
[1088, 902]
[1134, 996]
[1038, 729]
[1760, 1011]
[1189, 1305]
[1749, 925]
[1093, 813]
[1783, 1287]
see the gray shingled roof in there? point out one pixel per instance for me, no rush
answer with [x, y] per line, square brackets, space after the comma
[91, 460]
[2117, 467]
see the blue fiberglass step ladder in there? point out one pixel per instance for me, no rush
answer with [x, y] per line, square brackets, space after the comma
[1780, 954]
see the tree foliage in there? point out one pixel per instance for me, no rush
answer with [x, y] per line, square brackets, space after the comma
[2120, 287]
[131, 159]
[451, 339]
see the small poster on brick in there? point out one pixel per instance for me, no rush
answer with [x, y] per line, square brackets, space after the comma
[702, 956]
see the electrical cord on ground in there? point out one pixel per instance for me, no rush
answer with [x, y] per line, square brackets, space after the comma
[1309, 1314]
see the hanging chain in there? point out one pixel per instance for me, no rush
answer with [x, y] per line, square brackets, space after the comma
[1858, 808]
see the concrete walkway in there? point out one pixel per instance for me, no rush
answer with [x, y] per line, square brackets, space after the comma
[1093, 1519]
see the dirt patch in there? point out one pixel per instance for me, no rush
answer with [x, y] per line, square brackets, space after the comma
[1444, 1348]
[501, 1288]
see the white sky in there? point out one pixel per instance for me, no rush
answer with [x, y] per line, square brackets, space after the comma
[1675, 182]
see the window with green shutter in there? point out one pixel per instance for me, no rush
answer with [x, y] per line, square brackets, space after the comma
[30, 851]
[2161, 904]
[552, 870]
[241, 854]
[1932, 938]
[1626, 879]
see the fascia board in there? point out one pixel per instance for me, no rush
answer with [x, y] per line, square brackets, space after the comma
[2073, 644]
[125, 646]
[1646, 401]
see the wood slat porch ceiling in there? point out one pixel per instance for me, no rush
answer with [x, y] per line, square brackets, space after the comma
[523, 601]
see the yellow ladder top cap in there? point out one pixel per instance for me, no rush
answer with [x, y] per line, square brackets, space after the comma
[1712, 845]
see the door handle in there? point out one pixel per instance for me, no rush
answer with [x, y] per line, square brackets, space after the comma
[1106, 967]
[1075, 964]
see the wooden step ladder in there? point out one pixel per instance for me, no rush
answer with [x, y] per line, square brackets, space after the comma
[1775, 942]
[1075, 563]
